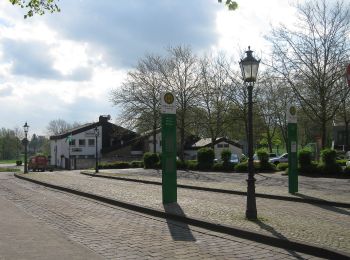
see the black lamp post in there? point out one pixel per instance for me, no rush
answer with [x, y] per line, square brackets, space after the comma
[25, 141]
[249, 67]
[97, 133]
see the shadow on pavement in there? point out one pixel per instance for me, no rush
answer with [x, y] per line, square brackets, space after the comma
[276, 234]
[179, 231]
[326, 207]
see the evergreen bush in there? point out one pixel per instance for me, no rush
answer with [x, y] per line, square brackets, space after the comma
[205, 158]
[151, 160]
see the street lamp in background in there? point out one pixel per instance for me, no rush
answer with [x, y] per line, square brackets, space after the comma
[97, 133]
[249, 68]
[25, 142]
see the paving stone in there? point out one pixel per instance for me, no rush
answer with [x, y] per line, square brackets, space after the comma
[116, 233]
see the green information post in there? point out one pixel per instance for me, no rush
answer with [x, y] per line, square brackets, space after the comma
[292, 149]
[169, 186]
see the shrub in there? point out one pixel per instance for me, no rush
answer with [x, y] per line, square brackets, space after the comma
[282, 166]
[243, 166]
[218, 167]
[19, 162]
[329, 164]
[311, 168]
[304, 157]
[192, 165]
[264, 164]
[263, 155]
[181, 165]
[205, 158]
[341, 162]
[151, 160]
[114, 165]
[328, 156]
[347, 170]
[226, 156]
[136, 164]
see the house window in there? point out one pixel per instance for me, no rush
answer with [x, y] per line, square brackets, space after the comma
[219, 145]
[91, 142]
[226, 145]
[81, 142]
[72, 142]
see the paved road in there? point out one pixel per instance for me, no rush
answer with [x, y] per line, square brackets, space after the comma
[318, 224]
[115, 233]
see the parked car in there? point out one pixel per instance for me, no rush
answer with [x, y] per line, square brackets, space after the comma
[234, 159]
[38, 163]
[279, 159]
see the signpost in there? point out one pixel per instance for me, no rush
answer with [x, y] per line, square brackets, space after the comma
[168, 110]
[292, 149]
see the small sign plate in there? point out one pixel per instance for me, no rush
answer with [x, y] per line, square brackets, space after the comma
[168, 104]
[291, 113]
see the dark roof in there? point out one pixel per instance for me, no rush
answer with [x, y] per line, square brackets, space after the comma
[76, 130]
[85, 127]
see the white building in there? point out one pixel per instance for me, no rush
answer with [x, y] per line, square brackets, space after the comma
[81, 153]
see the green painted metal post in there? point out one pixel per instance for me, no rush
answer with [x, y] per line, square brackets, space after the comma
[169, 179]
[292, 150]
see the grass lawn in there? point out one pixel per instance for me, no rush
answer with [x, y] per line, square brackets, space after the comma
[7, 161]
[9, 170]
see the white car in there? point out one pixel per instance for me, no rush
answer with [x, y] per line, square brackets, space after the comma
[277, 160]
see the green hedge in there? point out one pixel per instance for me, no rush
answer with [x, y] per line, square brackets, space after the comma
[114, 165]
[305, 157]
[206, 158]
[151, 160]
[265, 167]
[19, 163]
[282, 166]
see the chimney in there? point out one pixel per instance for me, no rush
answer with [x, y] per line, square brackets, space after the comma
[104, 118]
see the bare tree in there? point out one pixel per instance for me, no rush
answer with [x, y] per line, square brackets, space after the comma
[274, 97]
[311, 57]
[180, 73]
[214, 82]
[60, 126]
[139, 97]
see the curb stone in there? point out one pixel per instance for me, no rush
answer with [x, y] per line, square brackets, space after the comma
[242, 193]
[290, 244]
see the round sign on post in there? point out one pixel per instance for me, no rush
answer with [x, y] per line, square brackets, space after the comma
[348, 75]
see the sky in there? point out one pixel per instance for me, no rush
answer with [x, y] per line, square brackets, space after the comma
[64, 65]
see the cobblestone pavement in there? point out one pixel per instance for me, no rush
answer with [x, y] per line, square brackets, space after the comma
[270, 183]
[318, 224]
[115, 233]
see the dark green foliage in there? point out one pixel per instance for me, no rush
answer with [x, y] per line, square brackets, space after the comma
[225, 155]
[151, 161]
[282, 166]
[311, 168]
[114, 165]
[329, 164]
[305, 157]
[218, 167]
[264, 164]
[136, 164]
[19, 162]
[263, 155]
[347, 171]
[205, 158]
[266, 167]
[192, 165]
[329, 156]
[181, 165]
[341, 162]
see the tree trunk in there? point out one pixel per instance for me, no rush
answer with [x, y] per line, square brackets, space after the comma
[182, 139]
[323, 133]
[346, 135]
